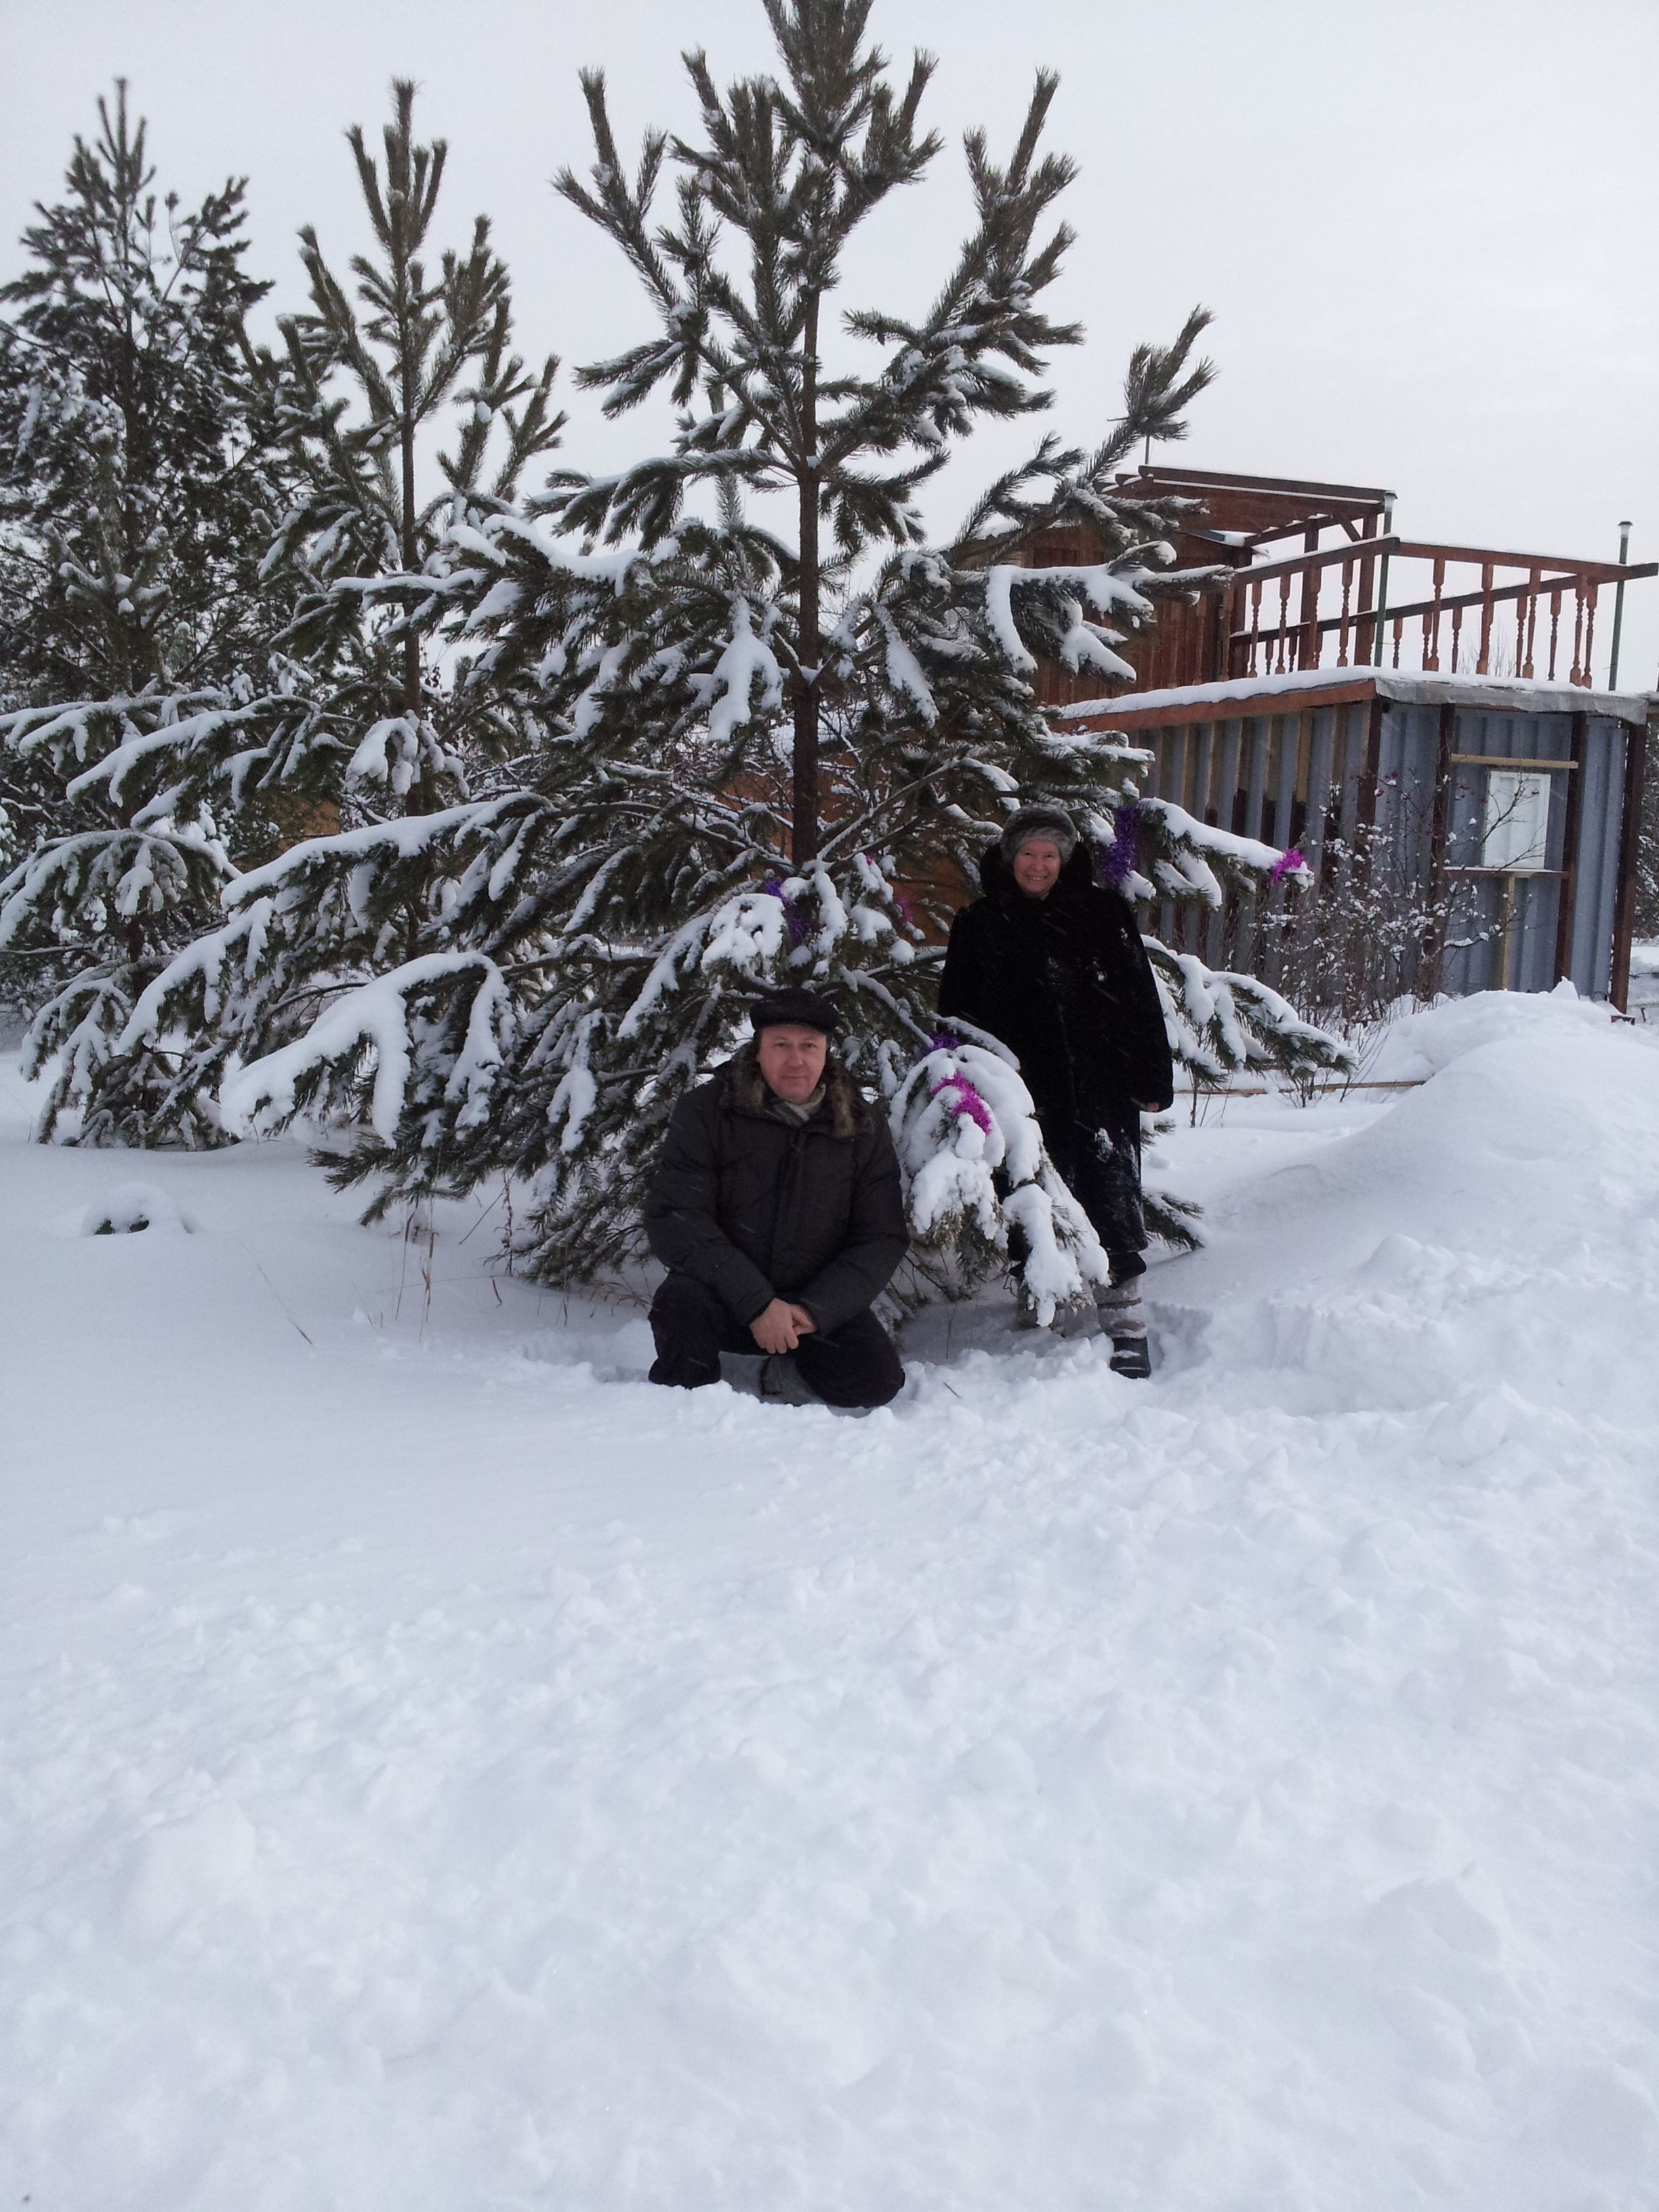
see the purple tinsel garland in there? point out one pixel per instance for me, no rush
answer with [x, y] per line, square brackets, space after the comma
[1117, 859]
[1288, 864]
[792, 912]
[968, 1100]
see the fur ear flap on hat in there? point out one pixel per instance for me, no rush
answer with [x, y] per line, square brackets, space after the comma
[1031, 823]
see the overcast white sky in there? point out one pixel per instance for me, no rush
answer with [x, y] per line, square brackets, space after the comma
[1428, 231]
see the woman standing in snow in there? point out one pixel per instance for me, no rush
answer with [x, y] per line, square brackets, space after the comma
[1052, 964]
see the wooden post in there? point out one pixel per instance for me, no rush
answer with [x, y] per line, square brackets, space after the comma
[1568, 891]
[1365, 632]
[1630, 838]
[1307, 643]
[1302, 779]
[1365, 812]
[1483, 666]
[1431, 982]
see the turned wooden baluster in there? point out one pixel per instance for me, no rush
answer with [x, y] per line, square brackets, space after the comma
[1589, 636]
[1342, 635]
[1284, 618]
[1578, 675]
[1431, 621]
[1399, 624]
[1306, 653]
[1458, 633]
[1555, 626]
[1255, 625]
[1483, 666]
[1532, 622]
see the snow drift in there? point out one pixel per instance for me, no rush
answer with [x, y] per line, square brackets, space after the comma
[442, 1771]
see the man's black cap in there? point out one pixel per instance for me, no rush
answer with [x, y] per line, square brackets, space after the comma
[797, 1009]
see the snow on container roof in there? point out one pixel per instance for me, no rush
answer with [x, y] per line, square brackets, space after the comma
[1333, 686]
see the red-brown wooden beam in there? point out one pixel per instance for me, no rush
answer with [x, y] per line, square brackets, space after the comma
[1325, 558]
[1444, 605]
[1341, 691]
[1361, 494]
[1600, 572]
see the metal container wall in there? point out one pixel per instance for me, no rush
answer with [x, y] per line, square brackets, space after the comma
[1300, 776]
[1605, 743]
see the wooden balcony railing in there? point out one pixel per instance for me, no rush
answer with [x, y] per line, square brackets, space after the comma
[1451, 628]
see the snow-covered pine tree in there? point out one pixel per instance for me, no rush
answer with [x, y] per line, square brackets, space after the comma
[142, 475]
[316, 691]
[404, 414]
[774, 742]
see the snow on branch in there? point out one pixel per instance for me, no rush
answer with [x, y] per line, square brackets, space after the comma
[727, 694]
[206, 961]
[376, 1018]
[71, 887]
[1220, 1021]
[1248, 855]
[403, 839]
[974, 1163]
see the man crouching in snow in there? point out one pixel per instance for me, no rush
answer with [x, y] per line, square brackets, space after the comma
[776, 1209]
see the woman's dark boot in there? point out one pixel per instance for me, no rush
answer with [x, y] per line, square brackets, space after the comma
[1123, 1319]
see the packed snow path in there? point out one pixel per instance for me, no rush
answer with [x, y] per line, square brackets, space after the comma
[443, 1774]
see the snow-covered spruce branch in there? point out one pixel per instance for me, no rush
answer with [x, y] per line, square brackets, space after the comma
[976, 1169]
[380, 1040]
[1220, 1023]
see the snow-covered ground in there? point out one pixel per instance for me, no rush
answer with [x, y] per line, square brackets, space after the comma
[441, 1773]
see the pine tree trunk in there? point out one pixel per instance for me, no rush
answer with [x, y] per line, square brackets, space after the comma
[424, 797]
[411, 644]
[803, 840]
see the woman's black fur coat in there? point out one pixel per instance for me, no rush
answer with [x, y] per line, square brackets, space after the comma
[1063, 981]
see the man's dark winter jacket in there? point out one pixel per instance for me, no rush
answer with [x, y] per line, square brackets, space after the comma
[1065, 983]
[757, 1209]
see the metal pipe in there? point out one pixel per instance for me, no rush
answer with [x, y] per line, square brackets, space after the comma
[1506, 930]
[1381, 589]
[1617, 609]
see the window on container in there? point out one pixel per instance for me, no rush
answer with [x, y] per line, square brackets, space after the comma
[1515, 835]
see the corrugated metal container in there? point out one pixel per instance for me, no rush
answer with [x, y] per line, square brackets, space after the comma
[1432, 768]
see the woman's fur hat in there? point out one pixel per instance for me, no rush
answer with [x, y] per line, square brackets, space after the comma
[1052, 823]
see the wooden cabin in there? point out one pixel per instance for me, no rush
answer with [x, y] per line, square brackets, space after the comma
[1458, 703]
